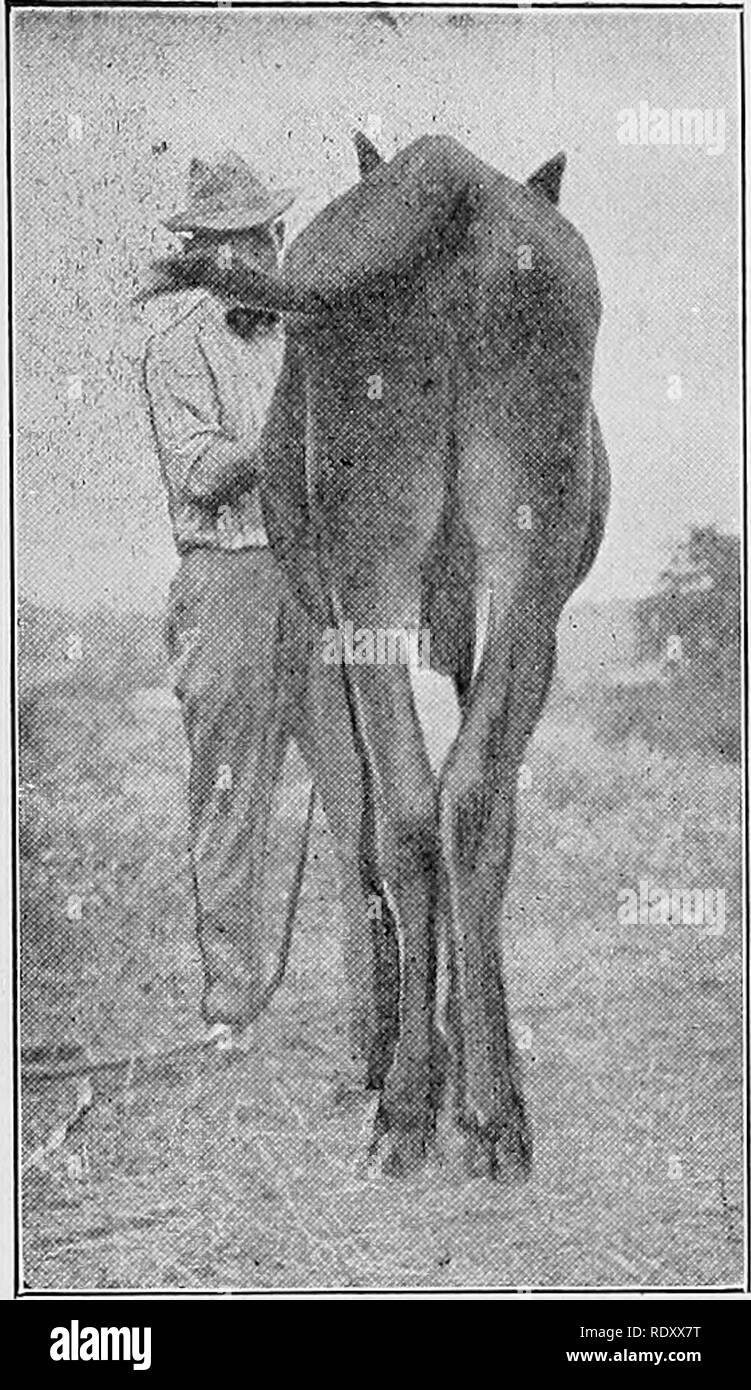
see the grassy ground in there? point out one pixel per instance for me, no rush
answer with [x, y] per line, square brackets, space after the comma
[226, 1171]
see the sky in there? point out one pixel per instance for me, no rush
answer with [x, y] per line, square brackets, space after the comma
[108, 108]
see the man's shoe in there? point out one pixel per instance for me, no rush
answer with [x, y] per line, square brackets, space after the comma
[230, 1004]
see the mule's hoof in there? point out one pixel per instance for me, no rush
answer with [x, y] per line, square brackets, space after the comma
[395, 1152]
[398, 1155]
[498, 1149]
[514, 1148]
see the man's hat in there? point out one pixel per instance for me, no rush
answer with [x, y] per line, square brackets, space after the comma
[226, 195]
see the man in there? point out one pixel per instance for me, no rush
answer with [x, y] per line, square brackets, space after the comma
[249, 674]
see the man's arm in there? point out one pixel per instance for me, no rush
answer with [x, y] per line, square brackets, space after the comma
[200, 457]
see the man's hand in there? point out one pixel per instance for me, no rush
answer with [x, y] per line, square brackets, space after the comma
[225, 469]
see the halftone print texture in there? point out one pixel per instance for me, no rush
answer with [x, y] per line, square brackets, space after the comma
[379, 647]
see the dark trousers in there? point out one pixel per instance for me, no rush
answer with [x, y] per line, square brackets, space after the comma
[250, 677]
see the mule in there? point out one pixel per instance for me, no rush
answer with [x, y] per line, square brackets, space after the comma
[432, 457]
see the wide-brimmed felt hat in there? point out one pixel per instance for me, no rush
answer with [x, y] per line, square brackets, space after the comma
[226, 195]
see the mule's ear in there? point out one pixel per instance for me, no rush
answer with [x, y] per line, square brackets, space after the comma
[547, 179]
[368, 157]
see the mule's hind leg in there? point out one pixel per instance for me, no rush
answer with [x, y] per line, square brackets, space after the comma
[402, 795]
[529, 574]
[477, 826]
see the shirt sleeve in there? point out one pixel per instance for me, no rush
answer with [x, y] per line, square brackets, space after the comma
[184, 408]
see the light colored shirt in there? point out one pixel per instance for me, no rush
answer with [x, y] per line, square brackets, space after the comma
[205, 383]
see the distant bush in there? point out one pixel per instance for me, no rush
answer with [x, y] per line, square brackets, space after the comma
[689, 629]
[673, 717]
